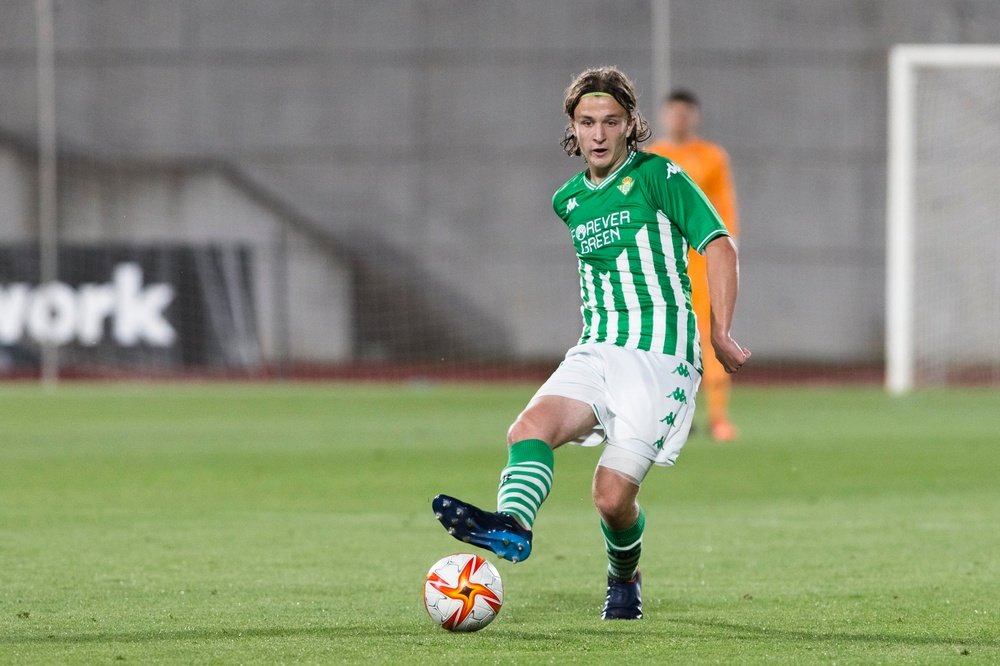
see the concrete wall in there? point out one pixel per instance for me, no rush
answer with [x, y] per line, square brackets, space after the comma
[432, 127]
[142, 204]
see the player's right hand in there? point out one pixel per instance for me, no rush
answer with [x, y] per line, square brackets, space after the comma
[730, 354]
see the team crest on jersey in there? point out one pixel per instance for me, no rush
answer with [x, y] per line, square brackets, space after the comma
[571, 205]
[626, 185]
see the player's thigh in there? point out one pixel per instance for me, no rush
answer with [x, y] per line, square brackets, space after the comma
[554, 419]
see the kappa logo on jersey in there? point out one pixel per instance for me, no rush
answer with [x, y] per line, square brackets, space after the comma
[571, 205]
[672, 169]
[626, 185]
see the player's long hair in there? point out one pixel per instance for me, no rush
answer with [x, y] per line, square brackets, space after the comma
[608, 80]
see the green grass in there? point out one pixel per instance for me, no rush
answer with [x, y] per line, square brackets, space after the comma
[264, 524]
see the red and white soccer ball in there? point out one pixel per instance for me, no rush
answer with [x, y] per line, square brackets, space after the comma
[463, 592]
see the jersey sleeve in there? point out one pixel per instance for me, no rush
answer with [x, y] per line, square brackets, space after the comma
[561, 198]
[557, 206]
[686, 206]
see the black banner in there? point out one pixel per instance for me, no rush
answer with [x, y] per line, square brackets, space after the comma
[118, 307]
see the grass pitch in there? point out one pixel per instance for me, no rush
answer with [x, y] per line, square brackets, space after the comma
[265, 524]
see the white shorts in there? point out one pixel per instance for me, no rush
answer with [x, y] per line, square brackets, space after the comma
[644, 403]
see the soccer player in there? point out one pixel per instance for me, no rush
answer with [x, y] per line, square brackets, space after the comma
[631, 381]
[708, 166]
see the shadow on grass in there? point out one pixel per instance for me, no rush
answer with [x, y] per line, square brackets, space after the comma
[665, 620]
[667, 629]
[748, 631]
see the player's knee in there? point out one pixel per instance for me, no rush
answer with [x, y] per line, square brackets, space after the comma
[527, 426]
[616, 507]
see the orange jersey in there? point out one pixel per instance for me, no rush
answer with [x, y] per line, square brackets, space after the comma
[708, 165]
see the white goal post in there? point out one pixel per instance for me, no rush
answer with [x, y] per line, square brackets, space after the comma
[909, 66]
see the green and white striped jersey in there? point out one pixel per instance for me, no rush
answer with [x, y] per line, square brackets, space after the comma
[632, 233]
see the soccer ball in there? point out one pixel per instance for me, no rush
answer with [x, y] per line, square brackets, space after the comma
[463, 592]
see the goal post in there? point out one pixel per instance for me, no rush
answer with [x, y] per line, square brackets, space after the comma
[943, 100]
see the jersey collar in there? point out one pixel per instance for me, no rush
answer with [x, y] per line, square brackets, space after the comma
[611, 176]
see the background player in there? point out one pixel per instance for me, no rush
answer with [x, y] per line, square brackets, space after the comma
[631, 381]
[708, 165]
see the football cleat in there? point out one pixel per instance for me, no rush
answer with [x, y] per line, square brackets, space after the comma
[494, 531]
[624, 600]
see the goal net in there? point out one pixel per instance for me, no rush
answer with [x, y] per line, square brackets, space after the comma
[943, 295]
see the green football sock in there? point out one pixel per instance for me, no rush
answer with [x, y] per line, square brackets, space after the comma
[526, 480]
[624, 548]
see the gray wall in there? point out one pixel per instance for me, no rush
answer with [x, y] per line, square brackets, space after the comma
[429, 131]
[146, 204]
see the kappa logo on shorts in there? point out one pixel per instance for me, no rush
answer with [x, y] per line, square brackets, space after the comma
[679, 395]
[669, 419]
[658, 444]
[681, 370]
